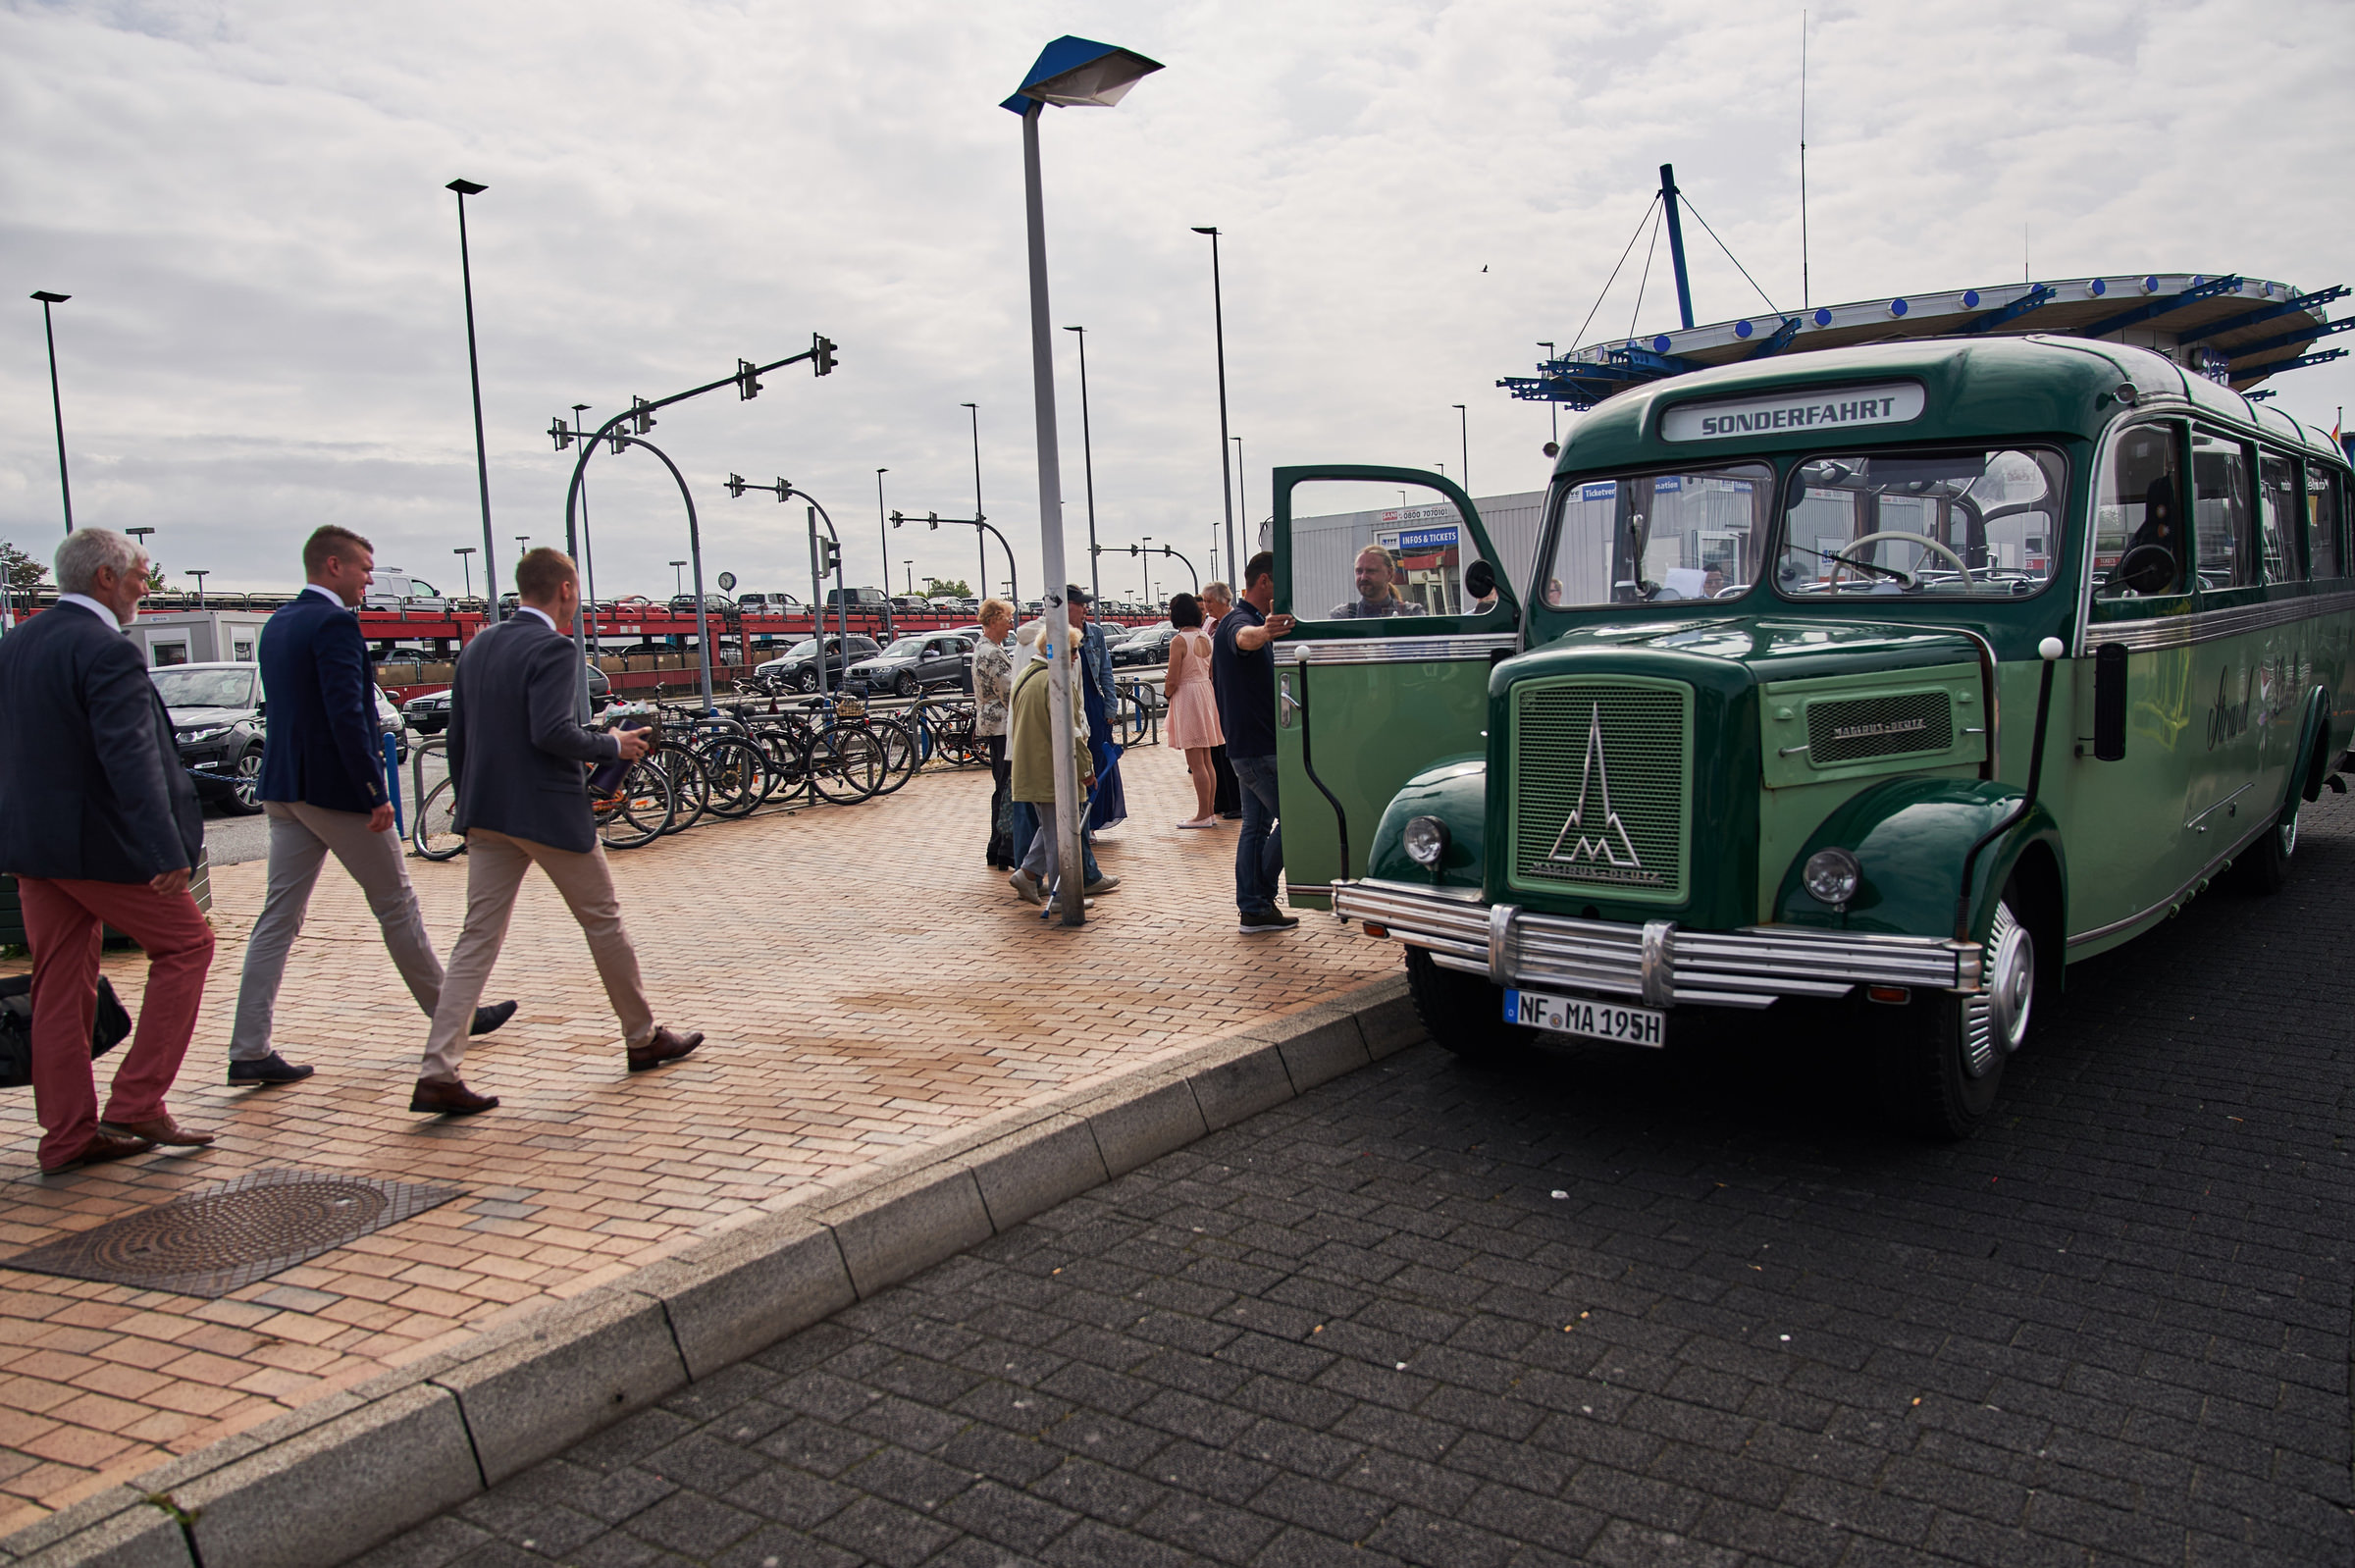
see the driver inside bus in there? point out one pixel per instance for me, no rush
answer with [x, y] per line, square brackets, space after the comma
[1376, 592]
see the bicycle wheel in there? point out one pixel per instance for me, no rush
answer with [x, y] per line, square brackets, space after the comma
[691, 789]
[433, 832]
[900, 752]
[636, 812]
[738, 774]
[846, 765]
[788, 758]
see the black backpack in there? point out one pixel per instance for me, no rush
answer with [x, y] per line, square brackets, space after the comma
[112, 1025]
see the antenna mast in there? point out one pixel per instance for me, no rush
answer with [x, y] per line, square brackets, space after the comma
[1805, 293]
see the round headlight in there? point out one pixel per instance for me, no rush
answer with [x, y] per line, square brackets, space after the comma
[1831, 876]
[1426, 840]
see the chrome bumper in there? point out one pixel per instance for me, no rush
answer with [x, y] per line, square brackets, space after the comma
[1655, 963]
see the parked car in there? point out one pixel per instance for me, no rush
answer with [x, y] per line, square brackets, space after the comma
[714, 604]
[394, 589]
[869, 600]
[430, 714]
[797, 669]
[767, 603]
[908, 604]
[219, 727]
[1148, 646]
[914, 664]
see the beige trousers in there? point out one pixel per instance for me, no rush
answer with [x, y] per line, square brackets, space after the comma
[495, 864]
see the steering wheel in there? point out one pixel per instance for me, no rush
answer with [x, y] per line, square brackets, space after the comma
[1840, 557]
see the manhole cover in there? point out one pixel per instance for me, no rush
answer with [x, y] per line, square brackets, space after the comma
[212, 1242]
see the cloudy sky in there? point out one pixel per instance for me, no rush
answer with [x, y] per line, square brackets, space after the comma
[247, 202]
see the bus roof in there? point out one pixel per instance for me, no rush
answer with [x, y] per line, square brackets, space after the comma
[2234, 329]
[1974, 386]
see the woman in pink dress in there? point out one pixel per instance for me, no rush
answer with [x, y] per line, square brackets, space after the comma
[1193, 710]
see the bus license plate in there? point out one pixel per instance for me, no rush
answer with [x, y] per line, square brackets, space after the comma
[1577, 1015]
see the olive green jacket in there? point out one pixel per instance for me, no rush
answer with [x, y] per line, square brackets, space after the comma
[1033, 724]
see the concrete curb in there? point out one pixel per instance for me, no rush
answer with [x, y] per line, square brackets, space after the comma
[324, 1483]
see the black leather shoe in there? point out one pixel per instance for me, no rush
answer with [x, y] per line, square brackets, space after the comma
[263, 1072]
[486, 1018]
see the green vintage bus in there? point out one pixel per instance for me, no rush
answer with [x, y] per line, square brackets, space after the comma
[1887, 679]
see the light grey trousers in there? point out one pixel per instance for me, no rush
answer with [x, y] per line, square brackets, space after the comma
[301, 837]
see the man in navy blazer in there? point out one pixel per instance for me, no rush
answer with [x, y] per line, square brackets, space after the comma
[517, 750]
[323, 786]
[101, 826]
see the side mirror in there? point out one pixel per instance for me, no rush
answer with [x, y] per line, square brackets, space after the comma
[2146, 569]
[1480, 579]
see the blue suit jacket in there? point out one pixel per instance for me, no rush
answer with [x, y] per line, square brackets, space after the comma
[516, 748]
[324, 745]
[90, 781]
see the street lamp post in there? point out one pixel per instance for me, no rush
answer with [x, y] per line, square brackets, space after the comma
[980, 544]
[1243, 499]
[1464, 434]
[1087, 458]
[678, 585]
[474, 370]
[1217, 309]
[200, 574]
[57, 405]
[465, 556]
[1073, 73]
[1551, 407]
[523, 545]
[588, 555]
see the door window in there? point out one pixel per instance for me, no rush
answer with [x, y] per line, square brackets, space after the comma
[2140, 504]
[2276, 518]
[2326, 520]
[2224, 520]
[1363, 550]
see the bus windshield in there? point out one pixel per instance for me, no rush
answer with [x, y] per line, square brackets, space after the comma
[1923, 523]
[1669, 534]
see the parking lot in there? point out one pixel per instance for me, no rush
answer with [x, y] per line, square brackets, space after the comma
[1607, 1305]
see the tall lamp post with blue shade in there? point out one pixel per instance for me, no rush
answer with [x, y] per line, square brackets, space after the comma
[1071, 73]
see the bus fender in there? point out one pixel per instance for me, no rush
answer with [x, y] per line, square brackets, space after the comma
[2313, 746]
[1455, 790]
[1910, 837]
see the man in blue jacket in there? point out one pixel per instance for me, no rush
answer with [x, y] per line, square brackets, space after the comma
[517, 759]
[100, 824]
[323, 786]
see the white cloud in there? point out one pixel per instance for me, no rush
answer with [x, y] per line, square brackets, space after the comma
[247, 202]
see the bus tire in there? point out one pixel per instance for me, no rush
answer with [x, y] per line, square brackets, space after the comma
[1942, 1062]
[2263, 867]
[1463, 1012]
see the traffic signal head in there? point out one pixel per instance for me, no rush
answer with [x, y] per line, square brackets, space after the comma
[821, 352]
[934, 519]
[560, 432]
[748, 385]
[735, 486]
[897, 519]
[642, 418]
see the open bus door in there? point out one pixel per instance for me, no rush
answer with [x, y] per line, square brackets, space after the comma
[1403, 607]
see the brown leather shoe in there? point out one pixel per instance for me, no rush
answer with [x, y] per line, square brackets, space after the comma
[436, 1098]
[102, 1147]
[159, 1128]
[667, 1045]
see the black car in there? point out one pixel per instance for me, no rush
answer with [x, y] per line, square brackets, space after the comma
[714, 604]
[1150, 646]
[913, 663]
[430, 714]
[797, 669]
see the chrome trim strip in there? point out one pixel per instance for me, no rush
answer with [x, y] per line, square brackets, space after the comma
[1657, 962]
[2208, 625]
[2207, 873]
[1398, 650]
[2220, 804]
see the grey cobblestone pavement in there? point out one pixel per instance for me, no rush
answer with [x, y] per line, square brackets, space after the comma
[1625, 1307]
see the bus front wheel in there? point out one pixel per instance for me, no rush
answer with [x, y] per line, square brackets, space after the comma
[1942, 1061]
[1463, 1012]
[2263, 867]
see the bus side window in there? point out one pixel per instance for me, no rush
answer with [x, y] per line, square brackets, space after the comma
[2326, 520]
[2276, 516]
[2140, 503]
[2222, 520]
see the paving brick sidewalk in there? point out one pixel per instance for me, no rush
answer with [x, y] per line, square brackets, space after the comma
[866, 983]
[1617, 1306]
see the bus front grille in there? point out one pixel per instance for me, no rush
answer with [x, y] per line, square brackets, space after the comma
[1600, 787]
